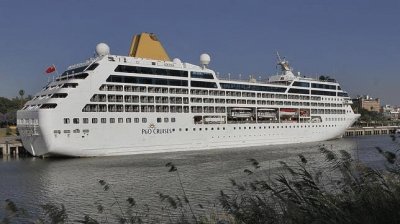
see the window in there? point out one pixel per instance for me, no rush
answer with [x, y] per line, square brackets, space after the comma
[92, 67]
[166, 120]
[144, 120]
[85, 120]
[301, 91]
[136, 120]
[120, 120]
[159, 120]
[302, 84]
[73, 71]
[203, 84]
[112, 120]
[48, 106]
[173, 120]
[322, 86]
[128, 120]
[66, 120]
[59, 95]
[76, 120]
[103, 120]
[94, 120]
[201, 75]
[324, 93]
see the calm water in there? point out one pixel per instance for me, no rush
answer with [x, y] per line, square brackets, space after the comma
[74, 182]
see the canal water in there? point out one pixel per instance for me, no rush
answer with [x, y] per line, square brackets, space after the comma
[31, 182]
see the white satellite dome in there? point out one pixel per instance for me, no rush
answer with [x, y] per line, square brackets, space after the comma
[102, 49]
[177, 61]
[205, 59]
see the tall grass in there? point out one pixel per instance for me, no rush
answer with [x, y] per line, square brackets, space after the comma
[347, 192]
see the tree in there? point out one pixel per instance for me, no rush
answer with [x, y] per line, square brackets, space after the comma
[21, 93]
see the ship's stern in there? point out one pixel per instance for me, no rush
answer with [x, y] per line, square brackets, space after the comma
[31, 133]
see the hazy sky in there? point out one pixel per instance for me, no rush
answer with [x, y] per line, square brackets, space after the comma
[356, 42]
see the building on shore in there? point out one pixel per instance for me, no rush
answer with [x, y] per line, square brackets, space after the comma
[367, 103]
[390, 112]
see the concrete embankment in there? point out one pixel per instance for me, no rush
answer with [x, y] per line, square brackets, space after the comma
[11, 146]
[378, 130]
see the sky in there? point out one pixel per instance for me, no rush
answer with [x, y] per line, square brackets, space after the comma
[357, 42]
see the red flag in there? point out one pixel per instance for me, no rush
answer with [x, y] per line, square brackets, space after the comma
[51, 69]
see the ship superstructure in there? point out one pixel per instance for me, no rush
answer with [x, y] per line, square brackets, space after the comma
[118, 105]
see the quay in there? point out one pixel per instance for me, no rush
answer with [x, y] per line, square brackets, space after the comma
[377, 130]
[11, 146]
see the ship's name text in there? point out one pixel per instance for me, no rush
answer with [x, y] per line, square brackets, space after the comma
[156, 131]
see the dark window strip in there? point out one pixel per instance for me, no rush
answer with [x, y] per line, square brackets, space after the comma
[252, 87]
[201, 75]
[300, 91]
[301, 84]
[203, 84]
[323, 93]
[151, 71]
[147, 81]
[74, 71]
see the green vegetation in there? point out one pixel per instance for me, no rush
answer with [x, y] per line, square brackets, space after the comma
[3, 132]
[9, 107]
[373, 118]
[337, 189]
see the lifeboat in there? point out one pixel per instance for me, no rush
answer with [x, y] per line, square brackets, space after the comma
[288, 111]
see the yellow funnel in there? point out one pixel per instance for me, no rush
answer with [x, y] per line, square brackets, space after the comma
[146, 45]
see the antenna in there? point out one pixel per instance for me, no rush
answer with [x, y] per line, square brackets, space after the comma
[279, 57]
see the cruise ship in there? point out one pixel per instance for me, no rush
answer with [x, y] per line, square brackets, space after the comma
[147, 103]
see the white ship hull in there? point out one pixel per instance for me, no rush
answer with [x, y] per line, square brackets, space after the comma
[125, 139]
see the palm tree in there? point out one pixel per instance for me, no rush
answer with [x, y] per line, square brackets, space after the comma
[21, 93]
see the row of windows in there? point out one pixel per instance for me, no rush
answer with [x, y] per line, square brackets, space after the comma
[316, 85]
[323, 86]
[73, 71]
[201, 75]
[166, 120]
[180, 109]
[343, 94]
[48, 106]
[151, 71]
[65, 85]
[301, 84]
[77, 76]
[128, 88]
[327, 111]
[147, 81]
[185, 100]
[59, 95]
[323, 93]
[134, 108]
[299, 91]
[136, 98]
[252, 87]
[201, 84]
[113, 120]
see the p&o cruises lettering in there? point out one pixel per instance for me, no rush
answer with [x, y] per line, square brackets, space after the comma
[156, 131]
